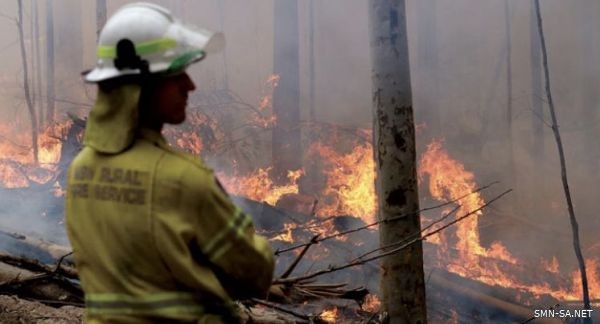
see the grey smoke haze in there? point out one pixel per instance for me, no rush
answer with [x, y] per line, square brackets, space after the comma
[459, 76]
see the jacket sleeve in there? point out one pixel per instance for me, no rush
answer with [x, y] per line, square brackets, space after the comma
[244, 260]
[222, 237]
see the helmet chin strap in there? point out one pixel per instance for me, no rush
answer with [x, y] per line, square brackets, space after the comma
[127, 58]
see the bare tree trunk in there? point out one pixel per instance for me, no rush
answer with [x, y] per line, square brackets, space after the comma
[223, 51]
[68, 41]
[311, 60]
[536, 90]
[50, 61]
[427, 90]
[32, 81]
[100, 15]
[590, 97]
[402, 283]
[38, 60]
[32, 116]
[509, 100]
[286, 97]
[563, 167]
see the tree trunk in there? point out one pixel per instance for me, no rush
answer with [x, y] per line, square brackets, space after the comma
[427, 86]
[31, 109]
[402, 283]
[38, 60]
[286, 96]
[512, 178]
[100, 16]
[220, 5]
[563, 167]
[69, 50]
[589, 90]
[537, 119]
[50, 61]
[34, 95]
[311, 61]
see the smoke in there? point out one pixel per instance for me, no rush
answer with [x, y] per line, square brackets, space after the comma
[462, 92]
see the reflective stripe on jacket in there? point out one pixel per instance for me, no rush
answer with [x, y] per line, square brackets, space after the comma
[154, 235]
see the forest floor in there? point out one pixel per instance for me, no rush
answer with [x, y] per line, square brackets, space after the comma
[14, 310]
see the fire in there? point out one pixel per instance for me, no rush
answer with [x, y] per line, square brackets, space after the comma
[286, 234]
[448, 180]
[265, 103]
[372, 304]
[593, 276]
[17, 166]
[551, 266]
[329, 315]
[350, 179]
[259, 186]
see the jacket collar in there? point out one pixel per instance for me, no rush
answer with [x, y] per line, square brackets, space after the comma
[153, 136]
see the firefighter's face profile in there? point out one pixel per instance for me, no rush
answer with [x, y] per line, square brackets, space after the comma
[168, 98]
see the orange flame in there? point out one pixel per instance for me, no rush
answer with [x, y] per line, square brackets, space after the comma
[259, 186]
[350, 187]
[329, 315]
[372, 304]
[551, 266]
[448, 180]
[265, 103]
[17, 166]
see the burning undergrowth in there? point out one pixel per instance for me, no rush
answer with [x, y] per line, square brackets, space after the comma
[314, 212]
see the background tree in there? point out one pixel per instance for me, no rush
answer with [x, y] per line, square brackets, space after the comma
[26, 88]
[100, 15]
[286, 97]
[402, 284]
[50, 94]
[37, 61]
[563, 168]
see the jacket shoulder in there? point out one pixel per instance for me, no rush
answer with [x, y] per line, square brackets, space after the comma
[183, 168]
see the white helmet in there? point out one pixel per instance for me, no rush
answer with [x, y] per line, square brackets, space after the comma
[144, 37]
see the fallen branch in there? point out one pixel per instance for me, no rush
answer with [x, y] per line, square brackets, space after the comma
[281, 309]
[400, 246]
[395, 218]
[36, 266]
[293, 265]
[414, 235]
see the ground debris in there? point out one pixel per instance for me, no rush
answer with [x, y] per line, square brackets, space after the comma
[14, 310]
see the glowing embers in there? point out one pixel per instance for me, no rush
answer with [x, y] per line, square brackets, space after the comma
[329, 315]
[17, 165]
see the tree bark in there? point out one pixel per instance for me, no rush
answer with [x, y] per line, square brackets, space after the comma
[286, 96]
[68, 37]
[536, 90]
[50, 95]
[38, 60]
[31, 109]
[402, 283]
[563, 168]
[427, 90]
[100, 16]
[311, 61]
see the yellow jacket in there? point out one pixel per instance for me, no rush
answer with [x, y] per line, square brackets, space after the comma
[155, 237]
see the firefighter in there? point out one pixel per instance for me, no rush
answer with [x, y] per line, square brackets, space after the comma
[155, 238]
